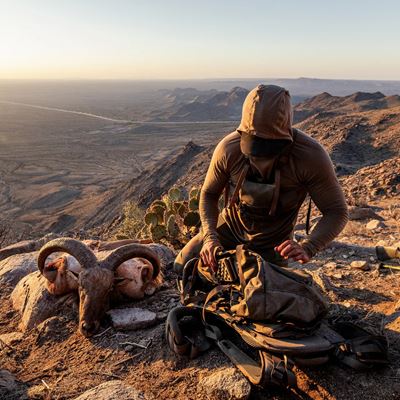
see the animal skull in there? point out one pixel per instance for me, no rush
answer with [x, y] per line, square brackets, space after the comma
[131, 270]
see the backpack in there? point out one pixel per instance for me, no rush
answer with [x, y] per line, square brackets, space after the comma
[260, 306]
[262, 291]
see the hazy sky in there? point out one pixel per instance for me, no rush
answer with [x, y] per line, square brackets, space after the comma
[199, 39]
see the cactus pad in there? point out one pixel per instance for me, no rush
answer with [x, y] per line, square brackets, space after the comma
[172, 227]
[151, 219]
[193, 204]
[175, 194]
[192, 218]
[158, 232]
[194, 193]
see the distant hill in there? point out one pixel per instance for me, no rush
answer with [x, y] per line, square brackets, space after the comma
[195, 105]
[307, 87]
[191, 105]
[148, 100]
[356, 102]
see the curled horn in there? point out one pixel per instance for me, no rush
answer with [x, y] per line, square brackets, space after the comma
[124, 253]
[74, 247]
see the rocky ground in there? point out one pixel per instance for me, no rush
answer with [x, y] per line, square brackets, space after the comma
[53, 361]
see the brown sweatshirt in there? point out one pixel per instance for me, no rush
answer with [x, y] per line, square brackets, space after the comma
[308, 170]
[267, 114]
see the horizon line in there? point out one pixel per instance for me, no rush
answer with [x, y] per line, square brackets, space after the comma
[191, 79]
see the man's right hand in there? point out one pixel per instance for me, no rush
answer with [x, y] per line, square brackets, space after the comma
[207, 254]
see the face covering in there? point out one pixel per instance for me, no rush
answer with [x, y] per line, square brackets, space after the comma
[263, 165]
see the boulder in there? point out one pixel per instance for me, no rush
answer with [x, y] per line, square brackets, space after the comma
[35, 304]
[224, 384]
[166, 255]
[132, 318]
[15, 267]
[112, 390]
[330, 265]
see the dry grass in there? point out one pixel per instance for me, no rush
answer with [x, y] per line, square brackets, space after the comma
[132, 223]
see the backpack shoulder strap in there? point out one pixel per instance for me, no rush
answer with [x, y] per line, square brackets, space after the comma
[239, 184]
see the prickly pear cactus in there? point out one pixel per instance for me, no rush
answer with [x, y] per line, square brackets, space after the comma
[172, 227]
[159, 203]
[192, 219]
[194, 193]
[158, 232]
[167, 214]
[159, 211]
[180, 208]
[151, 219]
[193, 204]
[175, 194]
[175, 218]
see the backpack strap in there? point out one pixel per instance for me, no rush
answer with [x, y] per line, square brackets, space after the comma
[359, 349]
[283, 159]
[226, 194]
[275, 195]
[239, 184]
[271, 370]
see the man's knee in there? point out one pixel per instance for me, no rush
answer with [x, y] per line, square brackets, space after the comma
[191, 250]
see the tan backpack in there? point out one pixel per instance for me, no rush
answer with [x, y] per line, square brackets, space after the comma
[277, 314]
[264, 291]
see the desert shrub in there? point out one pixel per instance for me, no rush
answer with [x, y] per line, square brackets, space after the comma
[174, 219]
[132, 221]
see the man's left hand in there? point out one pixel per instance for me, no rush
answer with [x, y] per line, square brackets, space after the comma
[292, 249]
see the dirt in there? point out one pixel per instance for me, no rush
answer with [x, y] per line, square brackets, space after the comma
[70, 364]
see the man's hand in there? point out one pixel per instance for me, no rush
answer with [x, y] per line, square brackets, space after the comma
[207, 254]
[292, 249]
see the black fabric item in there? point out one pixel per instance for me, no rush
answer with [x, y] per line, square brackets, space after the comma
[360, 350]
[185, 333]
[255, 146]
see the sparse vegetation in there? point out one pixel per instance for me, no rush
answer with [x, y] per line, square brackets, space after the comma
[132, 222]
[173, 220]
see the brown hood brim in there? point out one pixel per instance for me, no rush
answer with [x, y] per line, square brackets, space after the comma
[267, 113]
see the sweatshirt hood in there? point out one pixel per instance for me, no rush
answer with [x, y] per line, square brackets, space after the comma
[267, 113]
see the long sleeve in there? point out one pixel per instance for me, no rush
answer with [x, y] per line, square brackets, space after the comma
[327, 194]
[216, 179]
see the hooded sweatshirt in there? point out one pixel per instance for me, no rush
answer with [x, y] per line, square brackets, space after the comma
[267, 114]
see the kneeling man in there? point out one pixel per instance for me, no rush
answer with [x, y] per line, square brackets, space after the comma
[268, 168]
